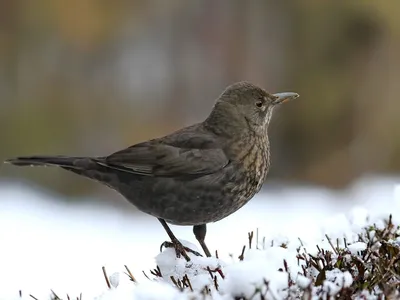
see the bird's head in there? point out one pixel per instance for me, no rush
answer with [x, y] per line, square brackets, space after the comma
[248, 106]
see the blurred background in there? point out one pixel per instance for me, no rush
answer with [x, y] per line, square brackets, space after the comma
[91, 77]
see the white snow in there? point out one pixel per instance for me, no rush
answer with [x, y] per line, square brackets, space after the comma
[196, 269]
[357, 247]
[303, 281]
[244, 278]
[335, 280]
[397, 195]
[148, 290]
[50, 245]
[114, 279]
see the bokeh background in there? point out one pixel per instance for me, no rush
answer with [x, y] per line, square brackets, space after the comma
[91, 77]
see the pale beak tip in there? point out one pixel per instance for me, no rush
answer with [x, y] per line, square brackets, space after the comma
[284, 97]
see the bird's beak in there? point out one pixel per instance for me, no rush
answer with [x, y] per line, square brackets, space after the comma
[283, 97]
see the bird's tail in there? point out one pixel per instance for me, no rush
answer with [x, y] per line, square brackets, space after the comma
[61, 161]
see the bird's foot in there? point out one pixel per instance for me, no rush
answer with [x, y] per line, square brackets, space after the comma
[179, 249]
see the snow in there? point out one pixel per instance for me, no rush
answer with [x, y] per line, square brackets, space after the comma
[357, 247]
[335, 280]
[397, 196]
[148, 290]
[303, 282]
[152, 290]
[196, 269]
[114, 279]
[244, 278]
[51, 245]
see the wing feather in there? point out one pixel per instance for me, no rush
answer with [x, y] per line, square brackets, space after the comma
[197, 156]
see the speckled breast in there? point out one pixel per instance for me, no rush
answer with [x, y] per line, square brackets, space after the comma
[255, 169]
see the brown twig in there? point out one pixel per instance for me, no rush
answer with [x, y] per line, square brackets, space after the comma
[250, 236]
[55, 295]
[106, 277]
[187, 280]
[330, 243]
[241, 256]
[144, 273]
[131, 277]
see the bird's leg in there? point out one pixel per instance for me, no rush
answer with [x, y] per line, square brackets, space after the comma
[175, 243]
[200, 234]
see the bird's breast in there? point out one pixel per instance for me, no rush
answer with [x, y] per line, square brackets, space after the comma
[254, 164]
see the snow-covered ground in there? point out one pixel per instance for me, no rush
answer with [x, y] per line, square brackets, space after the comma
[50, 245]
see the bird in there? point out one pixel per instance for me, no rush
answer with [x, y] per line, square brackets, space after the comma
[196, 175]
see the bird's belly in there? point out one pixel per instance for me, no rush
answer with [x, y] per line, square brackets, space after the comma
[186, 202]
[191, 206]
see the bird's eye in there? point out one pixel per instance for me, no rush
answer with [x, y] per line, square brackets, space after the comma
[259, 104]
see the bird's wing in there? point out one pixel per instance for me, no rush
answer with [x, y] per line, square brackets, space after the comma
[197, 156]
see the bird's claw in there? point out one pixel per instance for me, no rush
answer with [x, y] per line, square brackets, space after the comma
[179, 249]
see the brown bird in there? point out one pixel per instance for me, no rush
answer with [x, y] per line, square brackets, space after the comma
[196, 175]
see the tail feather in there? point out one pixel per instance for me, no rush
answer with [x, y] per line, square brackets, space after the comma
[61, 161]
